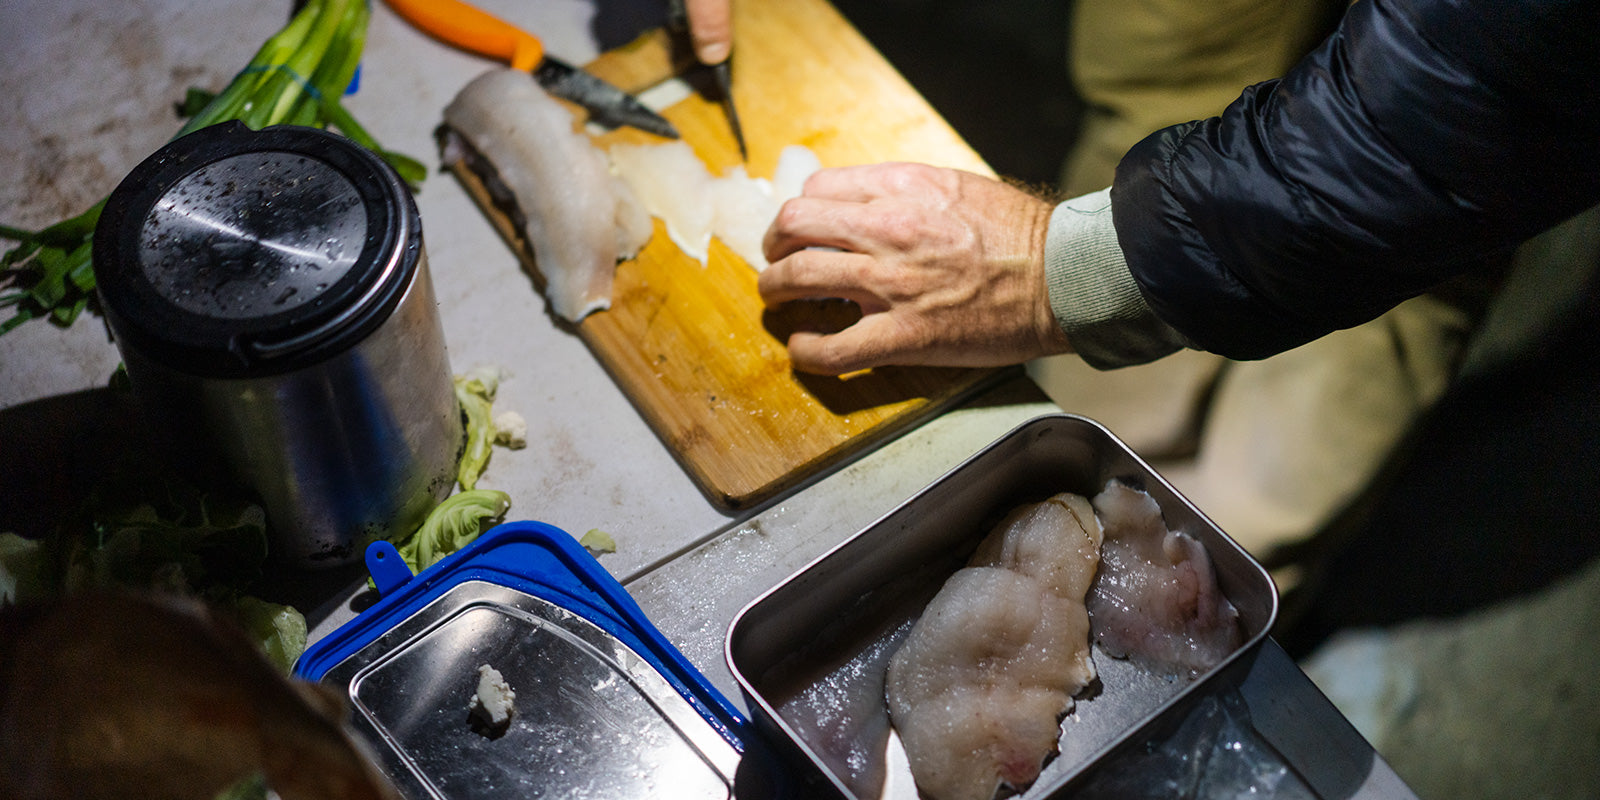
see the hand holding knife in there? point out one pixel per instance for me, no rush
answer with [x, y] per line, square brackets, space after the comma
[711, 35]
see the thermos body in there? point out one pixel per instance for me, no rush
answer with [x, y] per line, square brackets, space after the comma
[270, 295]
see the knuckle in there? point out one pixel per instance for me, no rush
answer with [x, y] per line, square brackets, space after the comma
[834, 361]
[789, 214]
[901, 226]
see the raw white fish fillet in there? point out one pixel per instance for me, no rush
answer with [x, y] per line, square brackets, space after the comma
[1156, 600]
[795, 163]
[745, 207]
[674, 185]
[579, 219]
[842, 717]
[979, 687]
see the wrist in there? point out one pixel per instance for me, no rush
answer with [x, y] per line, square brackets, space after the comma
[1051, 338]
[1095, 302]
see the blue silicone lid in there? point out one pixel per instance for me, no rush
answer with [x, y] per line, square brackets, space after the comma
[542, 561]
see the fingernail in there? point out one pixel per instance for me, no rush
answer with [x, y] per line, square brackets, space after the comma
[713, 52]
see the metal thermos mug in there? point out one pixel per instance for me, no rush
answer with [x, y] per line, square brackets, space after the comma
[269, 293]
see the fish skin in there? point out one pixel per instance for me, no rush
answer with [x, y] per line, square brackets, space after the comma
[578, 219]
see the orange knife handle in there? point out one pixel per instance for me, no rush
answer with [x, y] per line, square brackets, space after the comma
[468, 27]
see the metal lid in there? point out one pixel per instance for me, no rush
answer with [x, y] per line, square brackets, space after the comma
[605, 706]
[591, 717]
[236, 253]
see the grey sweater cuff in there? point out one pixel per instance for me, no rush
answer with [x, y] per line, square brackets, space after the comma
[1095, 299]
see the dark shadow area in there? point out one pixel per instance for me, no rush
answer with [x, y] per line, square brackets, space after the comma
[860, 390]
[618, 22]
[53, 451]
[1492, 497]
[64, 456]
[995, 70]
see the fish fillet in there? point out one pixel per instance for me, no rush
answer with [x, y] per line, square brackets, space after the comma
[1156, 600]
[747, 206]
[978, 689]
[579, 219]
[842, 717]
[674, 185]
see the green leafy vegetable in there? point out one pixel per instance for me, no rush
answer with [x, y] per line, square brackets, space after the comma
[146, 529]
[475, 392]
[251, 788]
[279, 630]
[453, 525]
[297, 77]
[597, 541]
[157, 531]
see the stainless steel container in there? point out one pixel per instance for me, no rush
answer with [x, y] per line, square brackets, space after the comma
[603, 706]
[826, 634]
[593, 718]
[269, 293]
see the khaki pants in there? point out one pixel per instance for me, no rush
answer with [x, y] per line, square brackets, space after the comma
[1269, 449]
[1142, 65]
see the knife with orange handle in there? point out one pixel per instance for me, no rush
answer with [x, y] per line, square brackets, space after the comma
[470, 28]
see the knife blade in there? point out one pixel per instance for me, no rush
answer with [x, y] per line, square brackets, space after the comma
[606, 104]
[722, 73]
[724, 76]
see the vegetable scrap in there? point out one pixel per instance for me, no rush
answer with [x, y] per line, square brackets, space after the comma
[475, 392]
[597, 541]
[147, 530]
[510, 430]
[454, 524]
[492, 704]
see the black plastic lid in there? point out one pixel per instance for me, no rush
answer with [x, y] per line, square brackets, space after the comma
[240, 253]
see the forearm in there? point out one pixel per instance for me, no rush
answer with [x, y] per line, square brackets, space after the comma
[1402, 152]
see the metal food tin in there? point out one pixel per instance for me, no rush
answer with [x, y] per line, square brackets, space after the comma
[604, 706]
[834, 624]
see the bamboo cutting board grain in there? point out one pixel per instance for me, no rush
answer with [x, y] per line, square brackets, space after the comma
[690, 345]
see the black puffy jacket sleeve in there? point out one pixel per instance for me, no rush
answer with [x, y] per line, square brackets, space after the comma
[1422, 138]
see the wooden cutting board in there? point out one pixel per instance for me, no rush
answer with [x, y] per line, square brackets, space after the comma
[693, 346]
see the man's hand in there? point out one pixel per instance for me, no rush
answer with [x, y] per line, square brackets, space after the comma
[947, 267]
[710, 29]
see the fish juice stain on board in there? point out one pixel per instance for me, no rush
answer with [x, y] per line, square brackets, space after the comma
[269, 293]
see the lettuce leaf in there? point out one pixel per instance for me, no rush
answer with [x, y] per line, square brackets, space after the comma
[475, 392]
[457, 521]
[279, 631]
